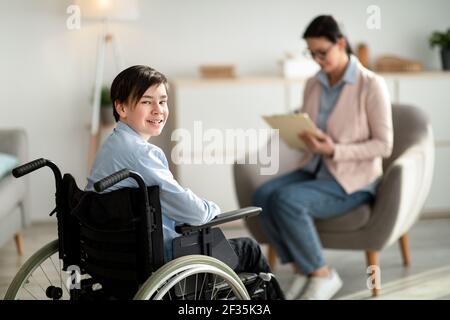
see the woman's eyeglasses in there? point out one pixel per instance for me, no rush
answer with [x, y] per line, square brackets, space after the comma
[319, 54]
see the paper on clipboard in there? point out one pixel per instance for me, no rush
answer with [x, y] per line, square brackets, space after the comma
[290, 125]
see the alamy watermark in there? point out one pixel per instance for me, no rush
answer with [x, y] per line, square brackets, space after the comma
[73, 281]
[214, 146]
[73, 22]
[373, 21]
[374, 279]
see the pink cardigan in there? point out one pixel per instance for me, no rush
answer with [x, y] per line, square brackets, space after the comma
[360, 126]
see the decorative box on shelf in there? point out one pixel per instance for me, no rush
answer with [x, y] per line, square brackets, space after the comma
[217, 71]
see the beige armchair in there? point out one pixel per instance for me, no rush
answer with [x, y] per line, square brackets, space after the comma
[400, 197]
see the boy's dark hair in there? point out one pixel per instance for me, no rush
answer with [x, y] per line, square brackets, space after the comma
[130, 85]
[327, 27]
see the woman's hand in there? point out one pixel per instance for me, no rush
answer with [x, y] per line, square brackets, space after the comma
[319, 143]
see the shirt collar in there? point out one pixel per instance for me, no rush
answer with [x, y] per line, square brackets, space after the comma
[124, 127]
[349, 74]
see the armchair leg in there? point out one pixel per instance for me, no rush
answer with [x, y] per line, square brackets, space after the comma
[373, 268]
[404, 247]
[19, 243]
[272, 257]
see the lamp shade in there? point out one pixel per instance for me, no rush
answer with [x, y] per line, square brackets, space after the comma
[108, 9]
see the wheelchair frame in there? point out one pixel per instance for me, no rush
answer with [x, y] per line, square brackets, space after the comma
[155, 279]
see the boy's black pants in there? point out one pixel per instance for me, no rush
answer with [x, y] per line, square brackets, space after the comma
[251, 259]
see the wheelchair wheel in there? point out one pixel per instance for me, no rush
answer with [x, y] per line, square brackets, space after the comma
[41, 277]
[193, 277]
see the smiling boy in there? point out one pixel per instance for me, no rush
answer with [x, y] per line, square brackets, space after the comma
[139, 96]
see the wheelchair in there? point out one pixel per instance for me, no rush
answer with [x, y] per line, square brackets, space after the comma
[110, 247]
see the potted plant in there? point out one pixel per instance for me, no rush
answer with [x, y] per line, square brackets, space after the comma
[442, 40]
[106, 112]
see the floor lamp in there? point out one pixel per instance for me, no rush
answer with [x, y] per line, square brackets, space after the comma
[104, 11]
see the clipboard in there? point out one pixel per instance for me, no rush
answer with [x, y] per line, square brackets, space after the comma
[290, 125]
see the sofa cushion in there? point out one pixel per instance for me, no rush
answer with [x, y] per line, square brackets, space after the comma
[12, 191]
[7, 163]
[354, 220]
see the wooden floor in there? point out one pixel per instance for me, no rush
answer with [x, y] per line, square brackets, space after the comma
[428, 277]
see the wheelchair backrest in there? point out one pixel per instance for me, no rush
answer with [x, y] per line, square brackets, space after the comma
[104, 236]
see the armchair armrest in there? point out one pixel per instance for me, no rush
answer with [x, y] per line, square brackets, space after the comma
[220, 219]
[403, 192]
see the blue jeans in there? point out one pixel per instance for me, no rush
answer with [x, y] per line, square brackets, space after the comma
[290, 204]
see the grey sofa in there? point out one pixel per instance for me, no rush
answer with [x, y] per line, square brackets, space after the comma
[400, 197]
[14, 195]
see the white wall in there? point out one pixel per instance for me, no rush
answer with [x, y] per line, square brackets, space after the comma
[254, 34]
[47, 71]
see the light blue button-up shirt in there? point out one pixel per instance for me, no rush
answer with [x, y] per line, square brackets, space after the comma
[126, 149]
[329, 96]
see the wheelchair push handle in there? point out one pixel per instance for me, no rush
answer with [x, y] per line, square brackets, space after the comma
[118, 176]
[111, 180]
[37, 164]
[29, 167]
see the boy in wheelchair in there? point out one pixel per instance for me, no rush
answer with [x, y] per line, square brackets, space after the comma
[139, 96]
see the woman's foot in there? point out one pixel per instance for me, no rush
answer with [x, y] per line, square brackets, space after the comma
[322, 287]
[298, 283]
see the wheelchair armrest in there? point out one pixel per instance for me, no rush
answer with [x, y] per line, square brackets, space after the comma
[221, 218]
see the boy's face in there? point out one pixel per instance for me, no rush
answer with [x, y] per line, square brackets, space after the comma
[149, 115]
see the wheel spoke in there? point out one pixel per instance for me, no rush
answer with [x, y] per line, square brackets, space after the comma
[212, 283]
[170, 296]
[195, 292]
[45, 274]
[181, 289]
[201, 288]
[63, 284]
[58, 271]
[35, 280]
[228, 294]
[30, 293]
[214, 286]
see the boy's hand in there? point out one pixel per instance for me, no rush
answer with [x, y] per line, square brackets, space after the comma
[318, 142]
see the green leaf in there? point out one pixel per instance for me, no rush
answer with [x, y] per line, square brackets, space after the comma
[440, 39]
[105, 99]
